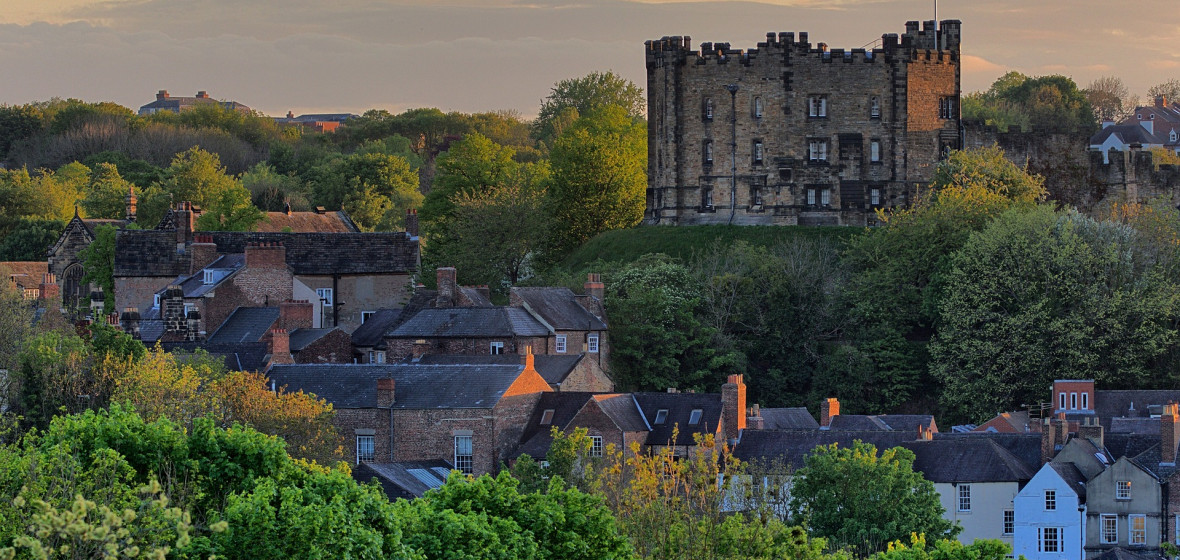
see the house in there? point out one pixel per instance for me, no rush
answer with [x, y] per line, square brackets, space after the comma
[1155, 126]
[65, 255]
[316, 122]
[569, 372]
[576, 322]
[610, 419]
[31, 279]
[831, 419]
[166, 102]
[1050, 514]
[368, 340]
[471, 416]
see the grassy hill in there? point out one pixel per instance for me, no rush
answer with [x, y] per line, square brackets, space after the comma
[626, 245]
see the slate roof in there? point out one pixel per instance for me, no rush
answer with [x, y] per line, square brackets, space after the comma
[307, 222]
[223, 267]
[371, 333]
[245, 324]
[553, 368]
[476, 296]
[469, 322]
[1145, 426]
[888, 422]
[1115, 404]
[679, 407]
[242, 356]
[952, 460]
[408, 480]
[416, 386]
[788, 419]
[1119, 553]
[153, 252]
[150, 330]
[1129, 445]
[792, 446]
[560, 309]
[622, 408]
[301, 338]
[1128, 133]
[1072, 476]
[1024, 446]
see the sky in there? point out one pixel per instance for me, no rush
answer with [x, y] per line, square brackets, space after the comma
[483, 55]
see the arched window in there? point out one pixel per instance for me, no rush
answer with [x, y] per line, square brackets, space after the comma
[74, 292]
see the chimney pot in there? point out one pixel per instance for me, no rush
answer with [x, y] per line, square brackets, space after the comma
[386, 396]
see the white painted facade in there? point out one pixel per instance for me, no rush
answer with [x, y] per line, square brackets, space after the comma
[979, 508]
[1048, 516]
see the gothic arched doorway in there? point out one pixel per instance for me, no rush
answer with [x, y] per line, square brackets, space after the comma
[73, 290]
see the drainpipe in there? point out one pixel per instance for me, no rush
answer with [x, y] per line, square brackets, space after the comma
[733, 89]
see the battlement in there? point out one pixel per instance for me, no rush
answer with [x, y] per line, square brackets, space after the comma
[930, 44]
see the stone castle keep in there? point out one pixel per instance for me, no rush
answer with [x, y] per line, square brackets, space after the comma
[795, 133]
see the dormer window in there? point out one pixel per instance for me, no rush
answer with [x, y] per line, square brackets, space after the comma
[156, 301]
[661, 416]
[695, 417]
[208, 278]
[1172, 136]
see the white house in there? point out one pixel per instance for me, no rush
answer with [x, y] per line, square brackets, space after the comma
[1050, 514]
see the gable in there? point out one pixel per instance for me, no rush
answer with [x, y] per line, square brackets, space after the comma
[72, 240]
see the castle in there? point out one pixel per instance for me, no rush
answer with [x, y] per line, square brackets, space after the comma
[798, 134]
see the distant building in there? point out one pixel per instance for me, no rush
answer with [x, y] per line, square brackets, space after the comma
[316, 122]
[1156, 126]
[166, 102]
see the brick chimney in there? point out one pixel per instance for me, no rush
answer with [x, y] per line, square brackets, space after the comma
[202, 94]
[202, 252]
[1092, 430]
[412, 222]
[828, 410]
[172, 309]
[385, 394]
[295, 314]
[184, 225]
[129, 321]
[1169, 434]
[925, 433]
[448, 286]
[527, 359]
[280, 347]
[1161, 102]
[129, 203]
[266, 255]
[48, 289]
[594, 286]
[161, 95]
[754, 420]
[733, 408]
[1054, 434]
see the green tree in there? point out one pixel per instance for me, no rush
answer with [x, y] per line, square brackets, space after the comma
[54, 373]
[582, 96]
[98, 260]
[859, 499]
[106, 193]
[272, 191]
[197, 176]
[472, 166]
[599, 176]
[30, 239]
[137, 171]
[390, 180]
[981, 549]
[1049, 103]
[17, 122]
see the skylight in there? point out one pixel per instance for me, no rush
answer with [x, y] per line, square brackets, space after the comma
[695, 417]
[661, 416]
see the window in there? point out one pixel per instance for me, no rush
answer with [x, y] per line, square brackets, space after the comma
[757, 152]
[1176, 529]
[364, 449]
[757, 107]
[825, 197]
[1073, 401]
[592, 343]
[156, 301]
[695, 417]
[661, 416]
[875, 197]
[1050, 500]
[875, 151]
[596, 446]
[1049, 539]
[325, 295]
[463, 454]
[818, 150]
[817, 106]
[208, 277]
[560, 344]
[707, 196]
[874, 107]
[1110, 529]
[756, 196]
[376, 357]
[811, 197]
[497, 348]
[1061, 400]
[1085, 401]
[946, 108]
[1137, 531]
[189, 308]
[1009, 522]
[1122, 490]
[708, 152]
[708, 109]
[1172, 136]
[964, 497]
[366, 315]
[547, 417]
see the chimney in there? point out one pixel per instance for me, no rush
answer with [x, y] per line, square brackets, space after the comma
[1161, 101]
[162, 94]
[266, 255]
[129, 321]
[172, 309]
[754, 420]
[385, 394]
[184, 225]
[925, 433]
[412, 222]
[447, 286]
[1048, 441]
[202, 94]
[202, 252]
[1091, 429]
[295, 314]
[420, 348]
[290, 115]
[130, 202]
[1169, 434]
[192, 326]
[828, 410]
[733, 408]
[287, 208]
[280, 347]
[527, 359]
[48, 289]
[594, 286]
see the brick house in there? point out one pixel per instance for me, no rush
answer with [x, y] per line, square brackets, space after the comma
[471, 416]
[610, 419]
[565, 372]
[576, 322]
[796, 133]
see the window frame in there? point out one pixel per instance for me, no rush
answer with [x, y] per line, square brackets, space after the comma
[463, 461]
[811, 196]
[757, 152]
[707, 110]
[695, 416]
[874, 151]
[707, 152]
[1085, 400]
[1073, 400]
[964, 501]
[1061, 400]
[1009, 526]
[758, 108]
[496, 348]
[817, 106]
[559, 344]
[1136, 537]
[661, 417]
[825, 197]
[547, 416]
[376, 356]
[874, 197]
[817, 150]
[1043, 539]
[706, 196]
[946, 107]
[1122, 490]
[1050, 499]
[592, 343]
[366, 315]
[1108, 534]
[596, 446]
[326, 296]
[874, 107]
[207, 277]
[365, 443]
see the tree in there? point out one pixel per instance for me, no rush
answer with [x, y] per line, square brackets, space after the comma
[197, 176]
[1110, 99]
[387, 180]
[1049, 103]
[599, 176]
[1169, 89]
[583, 96]
[17, 122]
[981, 549]
[106, 193]
[1040, 295]
[53, 373]
[473, 165]
[98, 260]
[30, 239]
[859, 499]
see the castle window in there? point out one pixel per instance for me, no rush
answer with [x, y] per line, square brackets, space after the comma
[707, 112]
[707, 196]
[817, 106]
[757, 152]
[708, 152]
[875, 151]
[875, 107]
[825, 197]
[946, 108]
[875, 197]
[757, 107]
[818, 151]
[755, 196]
[811, 197]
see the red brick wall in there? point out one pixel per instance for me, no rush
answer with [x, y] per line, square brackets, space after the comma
[348, 420]
[430, 434]
[1069, 387]
[334, 348]
[270, 255]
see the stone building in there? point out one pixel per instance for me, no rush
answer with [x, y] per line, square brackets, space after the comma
[793, 132]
